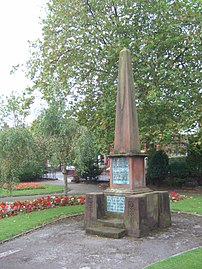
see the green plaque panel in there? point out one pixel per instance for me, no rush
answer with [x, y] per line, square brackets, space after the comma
[120, 170]
[115, 204]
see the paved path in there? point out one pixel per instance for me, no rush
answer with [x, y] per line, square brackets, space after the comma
[65, 245]
[75, 188]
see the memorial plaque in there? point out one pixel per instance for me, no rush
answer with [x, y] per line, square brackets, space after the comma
[116, 204]
[120, 171]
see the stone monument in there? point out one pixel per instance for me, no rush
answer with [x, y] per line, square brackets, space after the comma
[128, 207]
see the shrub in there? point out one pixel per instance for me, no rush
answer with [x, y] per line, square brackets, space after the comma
[194, 158]
[178, 167]
[31, 169]
[157, 169]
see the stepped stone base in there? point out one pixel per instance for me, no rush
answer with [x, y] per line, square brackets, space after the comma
[108, 227]
[109, 232]
[137, 216]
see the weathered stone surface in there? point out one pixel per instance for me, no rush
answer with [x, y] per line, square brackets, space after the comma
[164, 210]
[146, 212]
[135, 173]
[152, 209]
[110, 232]
[95, 208]
[126, 124]
[135, 217]
[112, 222]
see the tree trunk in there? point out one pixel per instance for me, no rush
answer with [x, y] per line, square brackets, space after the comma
[65, 179]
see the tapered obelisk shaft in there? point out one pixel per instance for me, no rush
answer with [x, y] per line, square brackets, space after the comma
[126, 139]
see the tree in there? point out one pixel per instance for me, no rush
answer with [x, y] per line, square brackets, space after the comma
[85, 154]
[58, 131]
[80, 48]
[158, 164]
[194, 158]
[14, 109]
[18, 154]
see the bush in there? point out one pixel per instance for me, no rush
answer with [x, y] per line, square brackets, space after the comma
[31, 170]
[194, 158]
[179, 173]
[157, 169]
[92, 171]
[178, 167]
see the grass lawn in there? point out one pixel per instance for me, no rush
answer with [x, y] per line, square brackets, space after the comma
[23, 222]
[191, 204]
[188, 260]
[48, 189]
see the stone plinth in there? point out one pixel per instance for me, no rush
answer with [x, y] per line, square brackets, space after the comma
[94, 208]
[140, 213]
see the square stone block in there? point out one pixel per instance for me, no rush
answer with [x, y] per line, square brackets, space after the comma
[94, 208]
[135, 217]
[164, 209]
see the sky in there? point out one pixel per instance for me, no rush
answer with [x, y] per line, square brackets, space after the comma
[19, 22]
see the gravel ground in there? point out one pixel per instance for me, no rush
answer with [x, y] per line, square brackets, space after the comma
[65, 245]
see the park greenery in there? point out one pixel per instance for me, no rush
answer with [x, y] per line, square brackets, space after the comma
[44, 189]
[78, 57]
[54, 136]
[74, 67]
[175, 171]
[23, 222]
[186, 260]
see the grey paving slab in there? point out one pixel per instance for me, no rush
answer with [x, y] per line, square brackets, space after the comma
[65, 245]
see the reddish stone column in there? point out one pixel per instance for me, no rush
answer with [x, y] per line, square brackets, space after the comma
[127, 163]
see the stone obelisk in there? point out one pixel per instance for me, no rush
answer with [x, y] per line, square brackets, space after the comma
[126, 125]
[128, 206]
[127, 165]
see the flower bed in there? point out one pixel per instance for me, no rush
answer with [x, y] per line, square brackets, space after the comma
[174, 196]
[8, 209]
[28, 186]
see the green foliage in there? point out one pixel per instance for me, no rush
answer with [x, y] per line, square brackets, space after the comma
[18, 151]
[80, 49]
[157, 168]
[32, 168]
[57, 129]
[194, 159]
[14, 109]
[85, 154]
[178, 167]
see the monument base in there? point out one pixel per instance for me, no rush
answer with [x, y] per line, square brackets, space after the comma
[115, 214]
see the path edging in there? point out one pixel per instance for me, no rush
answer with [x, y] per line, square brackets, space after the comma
[172, 256]
[41, 226]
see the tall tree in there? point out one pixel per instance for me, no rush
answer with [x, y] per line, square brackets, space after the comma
[14, 109]
[85, 154]
[80, 47]
[19, 155]
[58, 131]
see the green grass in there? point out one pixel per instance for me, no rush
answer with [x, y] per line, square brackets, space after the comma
[49, 189]
[23, 222]
[191, 204]
[188, 260]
